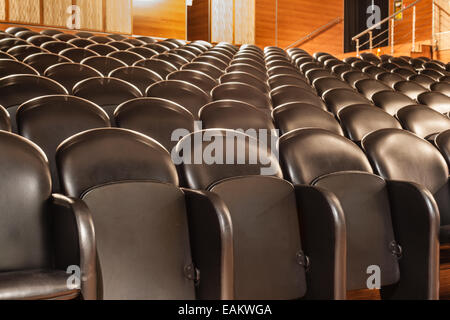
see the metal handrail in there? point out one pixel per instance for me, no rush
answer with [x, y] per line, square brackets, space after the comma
[316, 31]
[384, 20]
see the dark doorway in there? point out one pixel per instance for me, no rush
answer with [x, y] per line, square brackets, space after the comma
[358, 14]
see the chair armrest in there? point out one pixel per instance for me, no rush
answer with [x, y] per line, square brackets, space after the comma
[323, 234]
[74, 241]
[415, 219]
[211, 237]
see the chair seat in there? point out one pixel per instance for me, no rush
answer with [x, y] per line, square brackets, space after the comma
[36, 284]
[444, 236]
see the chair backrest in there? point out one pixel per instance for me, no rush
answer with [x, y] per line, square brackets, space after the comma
[5, 122]
[391, 101]
[422, 79]
[307, 154]
[353, 76]
[410, 88]
[81, 42]
[78, 54]
[104, 65]
[101, 49]
[108, 93]
[141, 77]
[185, 94]
[161, 67]
[246, 78]
[296, 115]
[161, 119]
[242, 92]
[23, 51]
[368, 87]
[292, 93]
[423, 121]
[41, 61]
[359, 120]
[390, 78]
[127, 57]
[56, 46]
[200, 79]
[337, 99]
[13, 67]
[25, 191]
[69, 74]
[442, 87]
[49, 120]
[435, 100]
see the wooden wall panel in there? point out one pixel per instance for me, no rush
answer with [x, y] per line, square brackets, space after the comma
[55, 12]
[118, 16]
[244, 25]
[2, 10]
[222, 21]
[198, 20]
[265, 17]
[162, 18]
[24, 11]
[91, 14]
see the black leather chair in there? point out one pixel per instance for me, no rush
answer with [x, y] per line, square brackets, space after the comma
[211, 60]
[127, 57]
[5, 122]
[423, 80]
[390, 79]
[81, 42]
[135, 41]
[15, 30]
[101, 39]
[56, 46]
[184, 93]
[143, 40]
[49, 120]
[370, 57]
[51, 32]
[314, 74]
[141, 77]
[39, 40]
[253, 62]
[337, 99]
[296, 115]
[180, 239]
[104, 65]
[368, 87]
[12, 67]
[69, 74]
[246, 78]
[84, 34]
[7, 56]
[8, 43]
[341, 68]
[285, 79]
[78, 54]
[44, 237]
[172, 58]
[359, 120]
[101, 49]
[157, 118]
[404, 72]
[401, 155]
[120, 45]
[242, 92]
[117, 37]
[373, 71]
[65, 37]
[23, 51]
[353, 76]
[156, 47]
[147, 53]
[24, 35]
[163, 68]
[322, 85]
[240, 67]
[197, 78]
[290, 93]
[435, 100]
[265, 211]
[442, 87]
[108, 93]
[384, 230]
[423, 121]
[410, 88]
[432, 73]
[182, 52]
[391, 101]
[17, 89]
[41, 61]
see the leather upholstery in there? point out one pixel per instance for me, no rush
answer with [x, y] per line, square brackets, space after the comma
[423, 121]
[248, 69]
[247, 78]
[359, 120]
[354, 76]
[441, 87]
[108, 93]
[391, 101]
[41, 61]
[409, 88]
[369, 87]
[323, 85]
[183, 93]
[140, 77]
[5, 122]
[49, 120]
[101, 49]
[9, 67]
[79, 173]
[307, 154]
[337, 99]
[242, 92]
[56, 46]
[69, 74]
[163, 68]
[155, 117]
[102, 64]
[201, 80]
[390, 78]
[422, 79]
[435, 100]
[127, 57]
[202, 176]
[78, 54]
[290, 93]
[291, 116]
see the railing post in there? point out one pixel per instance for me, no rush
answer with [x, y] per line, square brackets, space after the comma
[370, 41]
[392, 35]
[433, 29]
[414, 30]
[357, 47]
